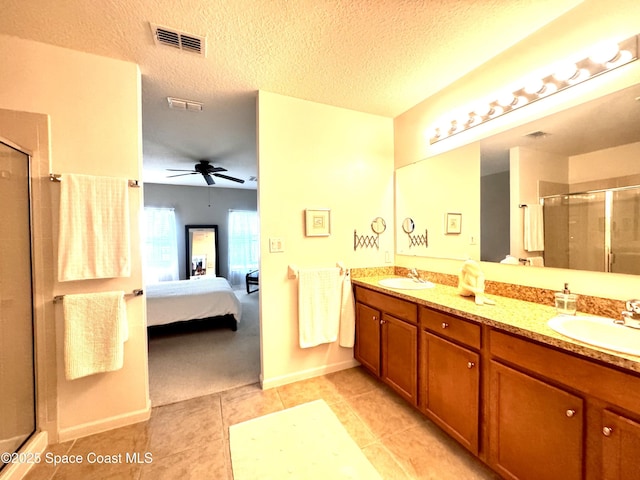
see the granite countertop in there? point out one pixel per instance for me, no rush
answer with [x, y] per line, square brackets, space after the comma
[526, 319]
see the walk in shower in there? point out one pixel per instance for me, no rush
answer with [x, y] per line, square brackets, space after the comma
[17, 374]
[597, 231]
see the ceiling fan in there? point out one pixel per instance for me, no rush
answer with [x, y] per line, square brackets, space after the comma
[205, 169]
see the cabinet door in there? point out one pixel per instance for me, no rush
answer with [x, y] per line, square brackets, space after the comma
[400, 357]
[536, 430]
[367, 345]
[620, 447]
[450, 388]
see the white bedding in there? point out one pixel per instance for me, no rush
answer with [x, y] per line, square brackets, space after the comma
[180, 300]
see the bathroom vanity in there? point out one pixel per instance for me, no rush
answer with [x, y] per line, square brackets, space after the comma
[529, 402]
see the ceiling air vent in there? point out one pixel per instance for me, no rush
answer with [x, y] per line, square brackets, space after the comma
[537, 134]
[181, 40]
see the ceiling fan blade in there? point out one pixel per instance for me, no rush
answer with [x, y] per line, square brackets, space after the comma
[213, 169]
[208, 179]
[233, 179]
[179, 170]
[181, 174]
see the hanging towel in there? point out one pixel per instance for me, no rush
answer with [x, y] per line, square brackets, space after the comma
[94, 236]
[533, 228]
[536, 261]
[95, 329]
[319, 293]
[347, 314]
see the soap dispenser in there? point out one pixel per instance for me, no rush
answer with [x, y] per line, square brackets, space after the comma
[566, 302]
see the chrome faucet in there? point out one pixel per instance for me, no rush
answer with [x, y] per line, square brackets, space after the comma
[413, 274]
[631, 316]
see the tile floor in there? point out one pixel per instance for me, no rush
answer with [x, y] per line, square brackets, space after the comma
[190, 439]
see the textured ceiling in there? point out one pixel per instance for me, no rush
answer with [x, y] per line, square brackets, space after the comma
[375, 56]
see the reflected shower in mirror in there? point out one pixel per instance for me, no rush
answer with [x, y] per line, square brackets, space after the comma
[201, 243]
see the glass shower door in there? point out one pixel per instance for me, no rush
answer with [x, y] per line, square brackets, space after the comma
[625, 231]
[17, 379]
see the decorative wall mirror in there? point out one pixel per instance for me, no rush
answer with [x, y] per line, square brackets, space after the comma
[378, 225]
[201, 243]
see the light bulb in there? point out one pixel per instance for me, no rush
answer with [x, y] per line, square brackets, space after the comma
[566, 72]
[534, 86]
[604, 53]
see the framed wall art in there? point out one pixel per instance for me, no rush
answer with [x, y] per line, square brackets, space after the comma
[317, 222]
[453, 223]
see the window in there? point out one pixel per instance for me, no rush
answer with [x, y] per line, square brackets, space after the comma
[244, 244]
[160, 245]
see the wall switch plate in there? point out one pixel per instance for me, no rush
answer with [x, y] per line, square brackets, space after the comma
[276, 245]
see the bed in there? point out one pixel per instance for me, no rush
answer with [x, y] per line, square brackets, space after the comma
[184, 300]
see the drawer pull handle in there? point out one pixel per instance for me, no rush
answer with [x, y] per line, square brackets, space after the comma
[375, 319]
[445, 324]
[570, 413]
[470, 364]
[607, 431]
[382, 322]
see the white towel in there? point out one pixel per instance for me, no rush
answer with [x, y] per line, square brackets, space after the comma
[533, 228]
[319, 295]
[94, 235]
[347, 314]
[95, 329]
[536, 261]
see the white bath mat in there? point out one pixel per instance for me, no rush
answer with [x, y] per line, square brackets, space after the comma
[303, 442]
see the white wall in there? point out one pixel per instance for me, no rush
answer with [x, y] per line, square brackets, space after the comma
[315, 156]
[587, 24]
[426, 191]
[94, 108]
[607, 163]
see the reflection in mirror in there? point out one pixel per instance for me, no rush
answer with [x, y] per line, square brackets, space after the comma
[378, 225]
[202, 250]
[408, 226]
[582, 166]
[427, 190]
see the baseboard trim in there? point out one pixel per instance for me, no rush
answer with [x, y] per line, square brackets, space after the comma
[35, 445]
[268, 383]
[104, 424]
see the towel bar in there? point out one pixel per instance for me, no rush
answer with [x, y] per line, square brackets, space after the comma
[56, 177]
[292, 270]
[136, 293]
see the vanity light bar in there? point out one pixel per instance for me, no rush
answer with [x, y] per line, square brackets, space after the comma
[605, 59]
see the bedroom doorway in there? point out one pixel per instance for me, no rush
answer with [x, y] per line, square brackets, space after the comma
[200, 357]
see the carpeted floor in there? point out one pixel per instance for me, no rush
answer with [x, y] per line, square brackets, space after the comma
[200, 358]
[306, 441]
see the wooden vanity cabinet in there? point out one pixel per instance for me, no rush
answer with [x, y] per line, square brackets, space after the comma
[536, 429]
[555, 415]
[450, 375]
[387, 340]
[620, 447]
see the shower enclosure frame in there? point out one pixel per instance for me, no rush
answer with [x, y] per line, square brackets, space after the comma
[608, 259]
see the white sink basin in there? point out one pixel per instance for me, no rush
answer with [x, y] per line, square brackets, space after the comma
[405, 283]
[598, 331]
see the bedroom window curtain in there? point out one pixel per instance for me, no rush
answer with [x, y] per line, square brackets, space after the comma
[244, 247]
[160, 245]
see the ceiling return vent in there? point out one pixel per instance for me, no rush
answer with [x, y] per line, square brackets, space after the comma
[181, 40]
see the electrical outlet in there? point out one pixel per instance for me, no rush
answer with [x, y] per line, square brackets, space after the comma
[276, 245]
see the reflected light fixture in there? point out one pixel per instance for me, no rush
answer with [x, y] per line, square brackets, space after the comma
[603, 59]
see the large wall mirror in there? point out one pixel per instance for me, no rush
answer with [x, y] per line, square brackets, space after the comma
[572, 178]
[201, 243]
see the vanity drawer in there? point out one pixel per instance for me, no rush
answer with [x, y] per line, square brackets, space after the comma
[450, 327]
[398, 308]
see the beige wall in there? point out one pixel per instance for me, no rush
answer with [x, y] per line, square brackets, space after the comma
[426, 191]
[93, 104]
[315, 156]
[589, 23]
[607, 163]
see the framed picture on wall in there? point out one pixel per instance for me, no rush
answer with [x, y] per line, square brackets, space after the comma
[317, 222]
[453, 223]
